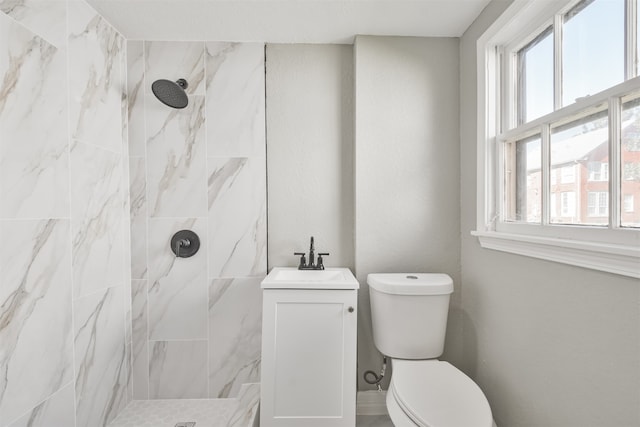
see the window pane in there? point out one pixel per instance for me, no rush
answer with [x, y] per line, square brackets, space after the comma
[523, 180]
[630, 157]
[535, 78]
[579, 150]
[593, 48]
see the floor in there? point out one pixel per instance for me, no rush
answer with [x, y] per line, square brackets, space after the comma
[238, 412]
[373, 421]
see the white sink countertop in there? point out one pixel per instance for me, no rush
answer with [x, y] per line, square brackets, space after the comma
[292, 278]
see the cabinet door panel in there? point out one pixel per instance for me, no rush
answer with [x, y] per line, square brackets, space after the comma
[309, 357]
[308, 369]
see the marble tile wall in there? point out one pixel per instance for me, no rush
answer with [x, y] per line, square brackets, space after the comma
[65, 305]
[197, 321]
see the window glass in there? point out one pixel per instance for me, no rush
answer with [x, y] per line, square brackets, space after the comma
[535, 78]
[568, 174]
[583, 145]
[597, 203]
[593, 40]
[523, 180]
[630, 158]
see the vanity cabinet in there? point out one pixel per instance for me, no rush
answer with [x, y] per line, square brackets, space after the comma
[309, 358]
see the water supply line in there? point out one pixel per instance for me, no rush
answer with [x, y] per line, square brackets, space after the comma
[371, 377]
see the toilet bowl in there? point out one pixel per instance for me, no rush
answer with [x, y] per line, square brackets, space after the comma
[433, 393]
[409, 316]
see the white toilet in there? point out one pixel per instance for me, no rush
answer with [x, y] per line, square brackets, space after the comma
[409, 313]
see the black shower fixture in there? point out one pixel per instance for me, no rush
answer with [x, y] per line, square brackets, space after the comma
[171, 93]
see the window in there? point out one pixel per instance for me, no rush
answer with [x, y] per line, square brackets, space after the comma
[628, 203]
[568, 174]
[568, 205]
[598, 203]
[559, 86]
[598, 171]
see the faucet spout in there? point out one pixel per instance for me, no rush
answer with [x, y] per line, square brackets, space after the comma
[312, 260]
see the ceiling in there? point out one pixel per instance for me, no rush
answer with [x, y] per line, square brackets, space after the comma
[287, 21]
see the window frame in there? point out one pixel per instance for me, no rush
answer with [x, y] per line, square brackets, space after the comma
[606, 248]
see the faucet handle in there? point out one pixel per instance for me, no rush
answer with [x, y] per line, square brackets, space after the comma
[320, 263]
[303, 259]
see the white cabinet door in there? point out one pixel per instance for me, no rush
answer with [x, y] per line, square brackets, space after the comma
[309, 358]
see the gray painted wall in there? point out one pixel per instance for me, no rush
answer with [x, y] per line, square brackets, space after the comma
[310, 152]
[550, 344]
[406, 160]
[406, 169]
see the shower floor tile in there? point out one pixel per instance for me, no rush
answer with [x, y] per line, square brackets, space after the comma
[236, 412]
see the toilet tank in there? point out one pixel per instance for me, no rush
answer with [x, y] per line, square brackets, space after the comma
[409, 313]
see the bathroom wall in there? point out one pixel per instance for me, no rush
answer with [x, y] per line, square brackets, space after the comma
[550, 344]
[197, 320]
[406, 170]
[64, 282]
[310, 152]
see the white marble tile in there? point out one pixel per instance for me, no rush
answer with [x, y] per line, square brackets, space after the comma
[177, 286]
[235, 99]
[100, 357]
[135, 95]
[176, 160]
[97, 218]
[34, 162]
[177, 370]
[138, 214]
[248, 405]
[237, 217]
[173, 61]
[35, 296]
[57, 411]
[140, 353]
[235, 330]
[46, 18]
[96, 82]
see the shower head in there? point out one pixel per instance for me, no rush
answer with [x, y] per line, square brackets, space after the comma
[171, 93]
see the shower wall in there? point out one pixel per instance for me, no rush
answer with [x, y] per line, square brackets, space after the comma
[65, 336]
[197, 321]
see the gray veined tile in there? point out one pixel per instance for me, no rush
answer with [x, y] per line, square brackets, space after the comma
[34, 161]
[139, 216]
[95, 107]
[177, 370]
[35, 295]
[237, 217]
[100, 357]
[135, 96]
[235, 99]
[173, 61]
[57, 411]
[140, 339]
[97, 218]
[176, 160]
[47, 19]
[248, 405]
[235, 330]
[177, 286]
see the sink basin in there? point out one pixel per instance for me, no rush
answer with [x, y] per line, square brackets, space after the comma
[292, 278]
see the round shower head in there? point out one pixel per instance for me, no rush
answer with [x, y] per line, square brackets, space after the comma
[171, 93]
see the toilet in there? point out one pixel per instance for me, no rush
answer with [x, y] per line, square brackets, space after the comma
[409, 315]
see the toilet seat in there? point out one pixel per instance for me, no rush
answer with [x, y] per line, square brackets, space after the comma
[433, 393]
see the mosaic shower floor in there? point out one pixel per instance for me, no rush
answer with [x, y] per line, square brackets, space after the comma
[237, 412]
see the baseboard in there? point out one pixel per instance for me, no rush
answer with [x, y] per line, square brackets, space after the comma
[372, 402]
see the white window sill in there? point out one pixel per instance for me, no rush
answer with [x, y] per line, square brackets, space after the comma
[618, 259]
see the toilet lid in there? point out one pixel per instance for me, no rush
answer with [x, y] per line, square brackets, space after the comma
[436, 394]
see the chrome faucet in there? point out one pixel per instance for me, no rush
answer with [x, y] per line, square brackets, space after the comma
[312, 265]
